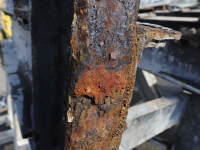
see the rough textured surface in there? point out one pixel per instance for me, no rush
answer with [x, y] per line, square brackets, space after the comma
[104, 63]
[107, 45]
[147, 32]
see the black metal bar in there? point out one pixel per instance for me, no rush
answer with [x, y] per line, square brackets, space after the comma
[51, 50]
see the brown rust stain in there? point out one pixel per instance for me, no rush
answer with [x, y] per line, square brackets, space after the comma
[93, 123]
[124, 58]
[101, 83]
[100, 126]
[73, 42]
[103, 73]
[95, 127]
[111, 8]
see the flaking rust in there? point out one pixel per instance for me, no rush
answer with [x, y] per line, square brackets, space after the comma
[106, 51]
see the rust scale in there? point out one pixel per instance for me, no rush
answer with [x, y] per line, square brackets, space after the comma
[107, 45]
[98, 83]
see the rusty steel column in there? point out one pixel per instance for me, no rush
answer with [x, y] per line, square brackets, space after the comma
[104, 62]
[107, 44]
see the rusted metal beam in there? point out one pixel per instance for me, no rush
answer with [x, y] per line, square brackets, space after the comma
[149, 119]
[104, 63]
[107, 44]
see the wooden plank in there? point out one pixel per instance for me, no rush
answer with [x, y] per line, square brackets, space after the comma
[151, 118]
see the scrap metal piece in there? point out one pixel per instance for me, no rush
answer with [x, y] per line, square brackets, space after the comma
[147, 32]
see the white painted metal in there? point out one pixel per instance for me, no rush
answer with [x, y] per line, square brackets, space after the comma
[151, 118]
[6, 136]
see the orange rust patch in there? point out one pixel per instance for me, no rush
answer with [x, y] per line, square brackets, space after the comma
[83, 12]
[124, 58]
[108, 23]
[112, 6]
[101, 83]
[100, 126]
[92, 123]
[73, 41]
[84, 28]
[100, 61]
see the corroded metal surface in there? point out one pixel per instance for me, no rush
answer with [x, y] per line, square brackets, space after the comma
[107, 45]
[147, 33]
[104, 63]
